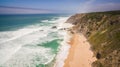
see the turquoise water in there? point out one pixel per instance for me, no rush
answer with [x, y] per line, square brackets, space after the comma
[8, 22]
[29, 40]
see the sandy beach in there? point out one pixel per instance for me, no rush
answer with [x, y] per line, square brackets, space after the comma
[80, 54]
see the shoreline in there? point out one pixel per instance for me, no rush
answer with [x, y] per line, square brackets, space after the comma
[75, 50]
[65, 46]
[80, 54]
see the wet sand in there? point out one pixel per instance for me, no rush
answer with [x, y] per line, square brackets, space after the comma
[80, 54]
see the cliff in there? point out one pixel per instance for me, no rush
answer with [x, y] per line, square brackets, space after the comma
[102, 29]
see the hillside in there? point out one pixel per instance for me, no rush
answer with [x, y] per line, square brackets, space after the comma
[102, 29]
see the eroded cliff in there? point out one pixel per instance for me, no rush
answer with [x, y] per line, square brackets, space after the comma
[102, 29]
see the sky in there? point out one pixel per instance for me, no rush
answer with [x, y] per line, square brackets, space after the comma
[56, 6]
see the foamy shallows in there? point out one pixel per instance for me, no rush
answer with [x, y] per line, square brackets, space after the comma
[32, 40]
[64, 48]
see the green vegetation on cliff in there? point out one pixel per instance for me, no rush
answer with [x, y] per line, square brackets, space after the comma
[102, 30]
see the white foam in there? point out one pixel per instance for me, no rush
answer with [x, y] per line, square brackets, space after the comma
[12, 42]
[20, 33]
[64, 49]
[45, 21]
[11, 47]
[30, 56]
[21, 37]
[63, 53]
[62, 23]
[57, 21]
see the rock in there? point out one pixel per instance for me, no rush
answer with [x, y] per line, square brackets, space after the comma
[96, 64]
[112, 60]
[98, 55]
[114, 22]
[54, 27]
[41, 30]
[91, 25]
[71, 32]
[63, 29]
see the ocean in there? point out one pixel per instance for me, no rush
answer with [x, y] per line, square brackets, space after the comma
[31, 40]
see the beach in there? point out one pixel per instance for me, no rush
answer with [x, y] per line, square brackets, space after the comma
[80, 54]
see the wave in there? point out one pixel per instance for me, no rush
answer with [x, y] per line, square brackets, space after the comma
[13, 44]
[64, 49]
[45, 21]
[19, 33]
[58, 20]
[30, 56]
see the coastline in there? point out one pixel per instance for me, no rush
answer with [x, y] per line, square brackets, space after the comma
[64, 45]
[74, 50]
[80, 54]
[101, 37]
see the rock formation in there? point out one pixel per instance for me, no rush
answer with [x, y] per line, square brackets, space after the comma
[102, 29]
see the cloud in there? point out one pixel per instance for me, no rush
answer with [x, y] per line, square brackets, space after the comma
[19, 10]
[91, 6]
[64, 7]
[105, 7]
[85, 6]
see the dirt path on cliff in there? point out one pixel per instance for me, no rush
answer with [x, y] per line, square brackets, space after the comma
[80, 54]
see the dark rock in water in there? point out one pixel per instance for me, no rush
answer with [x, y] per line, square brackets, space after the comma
[54, 27]
[41, 30]
[63, 28]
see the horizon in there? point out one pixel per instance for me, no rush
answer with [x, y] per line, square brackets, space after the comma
[55, 6]
[58, 13]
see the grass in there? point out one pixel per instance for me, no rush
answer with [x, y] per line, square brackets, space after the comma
[110, 38]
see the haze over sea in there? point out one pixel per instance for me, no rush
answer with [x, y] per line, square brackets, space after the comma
[30, 40]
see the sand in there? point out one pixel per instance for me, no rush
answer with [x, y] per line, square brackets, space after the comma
[80, 54]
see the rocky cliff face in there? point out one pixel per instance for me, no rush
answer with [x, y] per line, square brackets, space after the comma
[102, 29]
